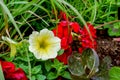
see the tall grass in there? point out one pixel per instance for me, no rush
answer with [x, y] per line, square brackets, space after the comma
[96, 11]
[18, 12]
[7, 12]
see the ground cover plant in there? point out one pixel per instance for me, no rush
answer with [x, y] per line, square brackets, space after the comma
[59, 40]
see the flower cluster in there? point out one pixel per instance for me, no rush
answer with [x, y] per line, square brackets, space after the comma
[46, 44]
[65, 30]
[11, 73]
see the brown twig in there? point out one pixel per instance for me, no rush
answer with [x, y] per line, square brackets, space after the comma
[106, 24]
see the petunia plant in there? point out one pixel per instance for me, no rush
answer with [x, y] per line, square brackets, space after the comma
[64, 52]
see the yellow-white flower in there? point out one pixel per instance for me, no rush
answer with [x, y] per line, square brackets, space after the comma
[44, 45]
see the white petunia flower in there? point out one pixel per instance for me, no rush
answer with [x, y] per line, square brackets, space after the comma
[44, 45]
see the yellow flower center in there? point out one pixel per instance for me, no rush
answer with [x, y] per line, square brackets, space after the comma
[43, 44]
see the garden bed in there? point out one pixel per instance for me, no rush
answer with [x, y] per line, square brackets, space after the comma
[59, 40]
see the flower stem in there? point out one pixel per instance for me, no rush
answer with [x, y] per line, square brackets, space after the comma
[111, 22]
[29, 65]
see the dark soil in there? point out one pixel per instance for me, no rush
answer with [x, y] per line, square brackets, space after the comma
[107, 46]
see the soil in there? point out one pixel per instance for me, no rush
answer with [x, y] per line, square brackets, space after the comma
[107, 46]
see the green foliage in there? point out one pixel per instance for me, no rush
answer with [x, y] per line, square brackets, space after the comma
[61, 51]
[114, 73]
[114, 30]
[75, 65]
[95, 11]
[58, 69]
[36, 69]
[21, 14]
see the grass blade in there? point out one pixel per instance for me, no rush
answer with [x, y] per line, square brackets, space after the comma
[1, 73]
[6, 10]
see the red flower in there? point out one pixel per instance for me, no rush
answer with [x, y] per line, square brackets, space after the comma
[17, 75]
[88, 43]
[63, 31]
[63, 16]
[75, 27]
[85, 37]
[11, 73]
[63, 58]
[80, 50]
[8, 67]
[84, 32]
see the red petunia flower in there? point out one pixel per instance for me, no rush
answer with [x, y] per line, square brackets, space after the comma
[8, 67]
[85, 38]
[63, 16]
[11, 73]
[63, 31]
[17, 75]
[75, 27]
[84, 32]
[63, 58]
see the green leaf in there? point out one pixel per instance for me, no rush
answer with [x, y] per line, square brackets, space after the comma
[114, 30]
[1, 73]
[114, 73]
[91, 60]
[52, 75]
[1, 55]
[36, 69]
[75, 65]
[48, 64]
[60, 52]
[66, 75]
[24, 67]
[117, 25]
[20, 58]
[33, 78]
[9, 58]
[59, 67]
[106, 26]
[13, 50]
[40, 77]
[57, 64]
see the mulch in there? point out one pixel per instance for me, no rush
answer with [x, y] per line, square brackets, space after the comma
[107, 46]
